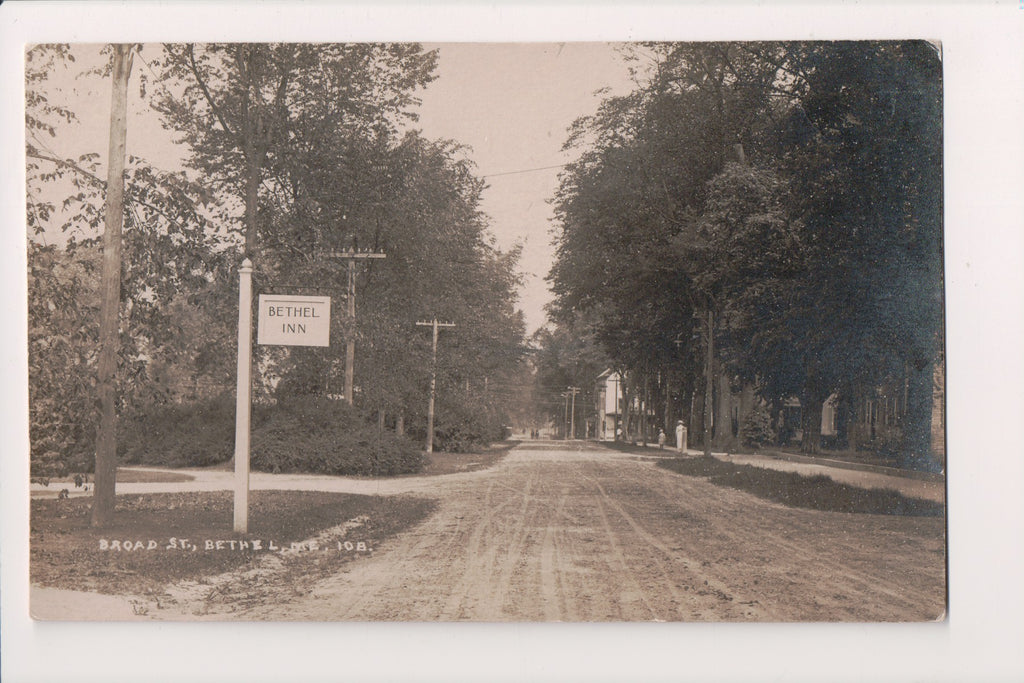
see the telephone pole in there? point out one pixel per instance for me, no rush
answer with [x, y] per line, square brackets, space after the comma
[709, 382]
[572, 419]
[433, 379]
[352, 255]
[565, 422]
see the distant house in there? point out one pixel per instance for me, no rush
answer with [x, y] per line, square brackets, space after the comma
[874, 421]
[608, 402]
[615, 408]
[791, 414]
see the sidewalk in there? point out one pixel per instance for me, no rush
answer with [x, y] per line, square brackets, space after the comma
[931, 487]
[224, 480]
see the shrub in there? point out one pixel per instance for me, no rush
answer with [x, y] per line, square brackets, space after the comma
[462, 427]
[49, 465]
[180, 435]
[322, 436]
[298, 434]
[757, 428]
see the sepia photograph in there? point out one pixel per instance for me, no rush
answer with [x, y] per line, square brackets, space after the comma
[509, 331]
[485, 387]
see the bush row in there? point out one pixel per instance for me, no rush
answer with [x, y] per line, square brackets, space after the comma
[300, 434]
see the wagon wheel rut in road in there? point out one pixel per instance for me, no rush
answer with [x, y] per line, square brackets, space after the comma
[677, 569]
[830, 563]
[589, 535]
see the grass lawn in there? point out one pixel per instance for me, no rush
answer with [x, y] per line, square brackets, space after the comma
[125, 475]
[133, 476]
[66, 553]
[449, 463]
[796, 490]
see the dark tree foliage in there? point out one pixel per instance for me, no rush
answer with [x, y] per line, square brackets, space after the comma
[791, 193]
[320, 129]
[567, 355]
[868, 191]
[171, 254]
[248, 108]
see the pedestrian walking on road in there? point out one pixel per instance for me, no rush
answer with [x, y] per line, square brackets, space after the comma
[680, 436]
[661, 439]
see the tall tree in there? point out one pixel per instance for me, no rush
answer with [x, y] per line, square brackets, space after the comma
[568, 355]
[868, 189]
[110, 301]
[244, 107]
[168, 251]
[639, 184]
[833, 284]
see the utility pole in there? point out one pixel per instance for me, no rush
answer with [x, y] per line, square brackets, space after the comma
[709, 385]
[352, 255]
[433, 379]
[110, 304]
[565, 421]
[572, 420]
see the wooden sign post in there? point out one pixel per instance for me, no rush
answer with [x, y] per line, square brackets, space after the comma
[284, 321]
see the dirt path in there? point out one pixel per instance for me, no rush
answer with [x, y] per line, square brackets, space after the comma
[580, 534]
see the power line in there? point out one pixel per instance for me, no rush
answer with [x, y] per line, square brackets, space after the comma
[525, 170]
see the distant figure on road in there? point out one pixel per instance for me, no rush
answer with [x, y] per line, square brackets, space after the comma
[661, 438]
[680, 436]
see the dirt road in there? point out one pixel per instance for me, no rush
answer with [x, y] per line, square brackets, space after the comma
[583, 534]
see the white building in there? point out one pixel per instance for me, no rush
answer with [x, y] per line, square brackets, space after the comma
[608, 400]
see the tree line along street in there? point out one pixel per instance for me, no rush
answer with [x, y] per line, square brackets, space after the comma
[749, 243]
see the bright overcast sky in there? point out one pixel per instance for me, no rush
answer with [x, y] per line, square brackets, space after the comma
[512, 104]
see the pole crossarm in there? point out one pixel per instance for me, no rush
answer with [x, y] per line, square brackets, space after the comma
[354, 254]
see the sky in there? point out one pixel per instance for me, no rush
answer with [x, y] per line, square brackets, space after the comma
[510, 104]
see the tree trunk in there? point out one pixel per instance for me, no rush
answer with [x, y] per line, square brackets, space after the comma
[917, 422]
[709, 382]
[252, 196]
[110, 305]
[691, 424]
[667, 405]
[844, 419]
[811, 404]
[626, 407]
[747, 405]
[723, 439]
[644, 402]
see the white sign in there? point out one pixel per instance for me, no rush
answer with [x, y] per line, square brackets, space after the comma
[294, 320]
